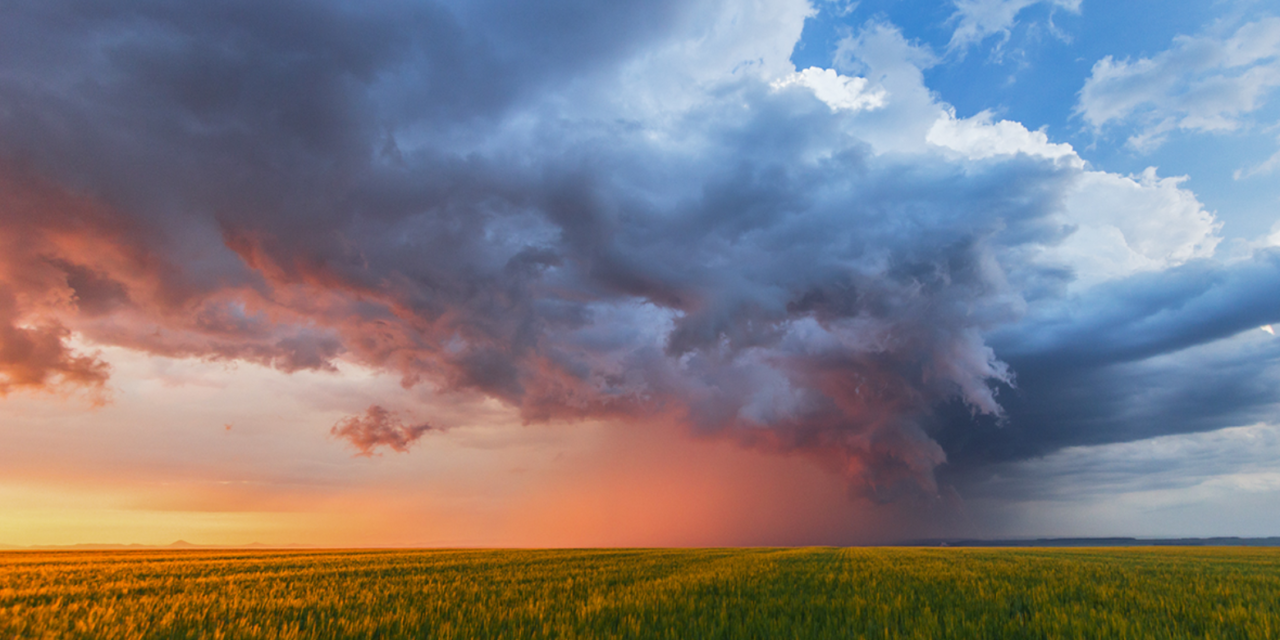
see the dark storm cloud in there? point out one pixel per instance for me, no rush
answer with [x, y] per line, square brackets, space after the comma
[1151, 314]
[1201, 389]
[423, 188]
[1137, 358]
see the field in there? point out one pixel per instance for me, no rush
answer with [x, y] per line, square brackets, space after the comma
[717, 593]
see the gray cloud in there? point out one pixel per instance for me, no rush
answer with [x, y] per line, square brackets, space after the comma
[1149, 314]
[1155, 354]
[1174, 462]
[1210, 386]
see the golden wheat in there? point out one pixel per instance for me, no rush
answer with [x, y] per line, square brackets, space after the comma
[706, 593]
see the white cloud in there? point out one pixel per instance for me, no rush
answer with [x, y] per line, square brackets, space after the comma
[1201, 83]
[839, 92]
[1127, 224]
[891, 63]
[978, 137]
[980, 19]
[1121, 224]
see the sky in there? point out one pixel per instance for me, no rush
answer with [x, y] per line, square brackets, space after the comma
[708, 272]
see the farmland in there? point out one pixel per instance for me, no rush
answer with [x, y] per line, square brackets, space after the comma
[704, 593]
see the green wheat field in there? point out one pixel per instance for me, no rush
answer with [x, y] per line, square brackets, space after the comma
[702, 593]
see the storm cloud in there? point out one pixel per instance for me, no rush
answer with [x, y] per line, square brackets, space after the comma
[615, 212]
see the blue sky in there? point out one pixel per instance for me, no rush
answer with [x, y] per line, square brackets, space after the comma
[1032, 69]
[697, 272]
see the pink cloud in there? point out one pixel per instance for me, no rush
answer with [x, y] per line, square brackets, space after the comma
[378, 427]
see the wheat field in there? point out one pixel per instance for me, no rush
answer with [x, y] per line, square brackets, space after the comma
[640, 593]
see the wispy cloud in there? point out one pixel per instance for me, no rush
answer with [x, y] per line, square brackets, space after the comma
[1264, 168]
[977, 20]
[1201, 83]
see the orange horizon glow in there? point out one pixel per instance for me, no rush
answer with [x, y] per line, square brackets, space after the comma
[165, 462]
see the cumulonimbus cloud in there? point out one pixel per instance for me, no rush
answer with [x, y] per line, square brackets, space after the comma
[619, 235]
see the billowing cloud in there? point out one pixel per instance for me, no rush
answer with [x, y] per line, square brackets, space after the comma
[839, 92]
[978, 137]
[670, 222]
[38, 356]
[1201, 83]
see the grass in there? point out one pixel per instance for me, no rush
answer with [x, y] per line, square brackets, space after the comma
[712, 593]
